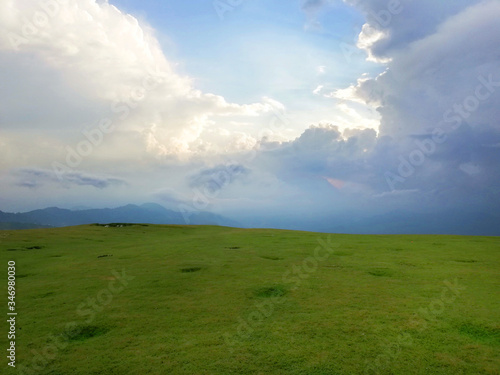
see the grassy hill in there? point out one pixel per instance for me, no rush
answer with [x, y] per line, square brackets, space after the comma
[150, 299]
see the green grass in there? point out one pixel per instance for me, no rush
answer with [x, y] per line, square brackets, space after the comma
[214, 300]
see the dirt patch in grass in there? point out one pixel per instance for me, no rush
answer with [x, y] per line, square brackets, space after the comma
[271, 257]
[342, 253]
[407, 264]
[396, 249]
[43, 295]
[34, 247]
[387, 272]
[86, 331]
[22, 275]
[190, 269]
[271, 291]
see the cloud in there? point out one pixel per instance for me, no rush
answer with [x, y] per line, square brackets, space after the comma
[320, 154]
[36, 178]
[317, 90]
[312, 8]
[67, 65]
[443, 75]
[331, 172]
[433, 66]
[396, 193]
[442, 78]
[314, 5]
[402, 22]
[218, 177]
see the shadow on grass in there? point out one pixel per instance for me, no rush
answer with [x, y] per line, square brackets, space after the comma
[271, 291]
[479, 332]
[22, 275]
[87, 331]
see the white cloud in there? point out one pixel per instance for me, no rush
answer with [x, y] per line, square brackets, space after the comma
[438, 66]
[318, 89]
[101, 63]
[368, 38]
[349, 93]
[470, 168]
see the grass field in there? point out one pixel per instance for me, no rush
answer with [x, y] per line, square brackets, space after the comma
[148, 299]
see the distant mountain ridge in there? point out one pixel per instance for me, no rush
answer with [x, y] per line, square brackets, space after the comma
[150, 213]
[394, 222]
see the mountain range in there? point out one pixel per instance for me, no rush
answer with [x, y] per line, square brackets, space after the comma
[395, 222]
[150, 213]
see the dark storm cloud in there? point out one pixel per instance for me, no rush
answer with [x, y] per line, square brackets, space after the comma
[33, 178]
[439, 102]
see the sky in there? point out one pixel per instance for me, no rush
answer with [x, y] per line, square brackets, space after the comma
[261, 111]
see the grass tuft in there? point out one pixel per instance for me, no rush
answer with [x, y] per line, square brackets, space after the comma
[271, 291]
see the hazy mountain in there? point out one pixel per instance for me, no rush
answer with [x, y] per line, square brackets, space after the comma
[147, 213]
[396, 222]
